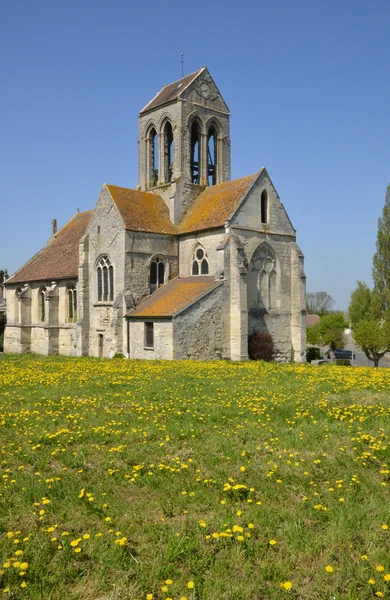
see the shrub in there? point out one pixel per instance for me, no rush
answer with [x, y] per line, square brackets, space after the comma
[313, 353]
[261, 346]
[345, 362]
[119, 355]
[1, 342]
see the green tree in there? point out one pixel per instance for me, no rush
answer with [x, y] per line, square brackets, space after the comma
[360, 304]
[328, 331]
[381, 264]
[3, 275]
[373, 338]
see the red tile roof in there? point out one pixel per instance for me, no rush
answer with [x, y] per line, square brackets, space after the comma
[171, 92]
[312, 320]
[142, 211]
[60, 258]
[174, 297]
[216, 204]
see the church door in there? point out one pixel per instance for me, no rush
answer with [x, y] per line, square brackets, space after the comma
[100, 346]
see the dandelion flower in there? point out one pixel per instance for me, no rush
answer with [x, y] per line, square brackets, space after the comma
[329, 569]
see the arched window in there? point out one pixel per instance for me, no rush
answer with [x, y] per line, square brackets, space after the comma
[196, 154]
[72, 305]
[157, 273]
[16, 304]
[42, 307]
[168, 152]
[262, 279]
[200, 265]
[264, 206]
[105, 280]
[153, 157]
[212, 156]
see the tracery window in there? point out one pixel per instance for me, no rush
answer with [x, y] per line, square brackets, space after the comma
[72, 304]
[262, 279]
[105, 280]
[157, 273]
[200, 265]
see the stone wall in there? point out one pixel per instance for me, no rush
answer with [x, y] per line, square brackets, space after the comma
[163, 340]
[197, 331]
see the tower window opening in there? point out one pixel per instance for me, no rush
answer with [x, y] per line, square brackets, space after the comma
[212, 157]
[168, 152]
[195, 153]
[153, 157]
[264, 206]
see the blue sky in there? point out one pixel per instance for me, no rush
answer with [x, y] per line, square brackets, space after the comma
[307, 83]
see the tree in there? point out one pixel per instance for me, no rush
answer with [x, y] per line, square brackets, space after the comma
[319, 303]
[328, 331]
[373, 338]
[3, 275]
[381, 264]
[360, 304]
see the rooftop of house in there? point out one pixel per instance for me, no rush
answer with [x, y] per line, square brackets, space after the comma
[216, 204]
[171, 92]
[59, 259]
[142, 211]
[173, 297]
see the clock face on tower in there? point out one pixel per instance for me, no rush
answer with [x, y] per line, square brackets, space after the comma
[205, 90]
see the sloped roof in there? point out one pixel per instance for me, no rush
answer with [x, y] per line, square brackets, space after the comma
[60, 258]
[171, 92]
[312, 320]
[174, 297]
[215, 205]
[142, 211]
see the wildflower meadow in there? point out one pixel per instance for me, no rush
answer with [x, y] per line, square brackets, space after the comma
[138, 480]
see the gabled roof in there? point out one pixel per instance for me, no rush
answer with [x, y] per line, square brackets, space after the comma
[216, 205]
[174, 297]
[60, 258]
[142, 211]
[171, 92]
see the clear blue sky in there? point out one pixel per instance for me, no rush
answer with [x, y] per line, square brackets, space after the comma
[307, 83]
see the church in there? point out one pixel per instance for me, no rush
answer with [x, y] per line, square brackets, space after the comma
[185, 266]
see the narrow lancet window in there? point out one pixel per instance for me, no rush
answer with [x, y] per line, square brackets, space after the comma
[105, 280]
[195, 152]
[264, 206]
[157, 273]
[153, 157]
[212, 156]
[168, 152]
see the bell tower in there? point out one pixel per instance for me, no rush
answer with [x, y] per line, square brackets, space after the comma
[184, 141]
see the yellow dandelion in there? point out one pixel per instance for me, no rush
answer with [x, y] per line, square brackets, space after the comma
[190, 585]
[329, 569]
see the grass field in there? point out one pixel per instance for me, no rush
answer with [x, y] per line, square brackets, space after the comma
[135, 480]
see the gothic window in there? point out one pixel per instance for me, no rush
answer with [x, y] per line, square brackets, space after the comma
[168, 152]
[105, 280]
[157, 273]
[72, 305]
[149, 336]
[200, 265]
[212, 156]
[264, 206]
[262, 279]
[195, 152]
[16, 305]
[153, 157]
[42, 307]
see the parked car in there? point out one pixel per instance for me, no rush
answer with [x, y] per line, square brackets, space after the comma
[340, 353]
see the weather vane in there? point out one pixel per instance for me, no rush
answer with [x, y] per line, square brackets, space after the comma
[182, 64]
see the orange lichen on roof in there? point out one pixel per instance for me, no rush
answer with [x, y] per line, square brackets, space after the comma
[142, 211]
[60, 258]
[173, 297]
[171, 92]
[215, 205]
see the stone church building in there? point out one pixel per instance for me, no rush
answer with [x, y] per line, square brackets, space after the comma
[186, 265]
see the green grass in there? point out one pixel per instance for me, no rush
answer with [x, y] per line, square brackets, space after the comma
[170, 456]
